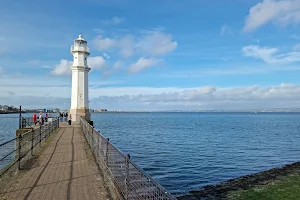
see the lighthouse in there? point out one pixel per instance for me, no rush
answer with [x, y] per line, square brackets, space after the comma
[80, 94]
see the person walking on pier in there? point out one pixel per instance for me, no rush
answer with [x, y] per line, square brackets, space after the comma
[46, 117]
[40, 119]
[34, 119]
[61, 116]
[69, 119]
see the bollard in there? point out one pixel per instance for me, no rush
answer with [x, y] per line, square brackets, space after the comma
[127, 175]
[106, 153]
[19, 151]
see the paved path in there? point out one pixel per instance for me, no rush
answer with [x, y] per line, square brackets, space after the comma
[66, 169]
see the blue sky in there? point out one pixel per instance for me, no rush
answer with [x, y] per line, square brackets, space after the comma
[153, 55]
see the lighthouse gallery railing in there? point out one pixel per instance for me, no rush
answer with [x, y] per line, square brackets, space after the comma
[130, 180]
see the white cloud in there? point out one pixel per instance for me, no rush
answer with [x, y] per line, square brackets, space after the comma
[101, 43]
[106, 56]
[150, 44]
[97, 62]
[142, 64]
[108, 71]
[63, 68]
[1, 71]
[118, 65]
[157, 44]
[270, 55]
[114, 20]
[225, 29]
[126, 46]
[296, 47]
[282, 12]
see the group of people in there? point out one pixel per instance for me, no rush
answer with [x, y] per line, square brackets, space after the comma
[64, 115]
[41, 119]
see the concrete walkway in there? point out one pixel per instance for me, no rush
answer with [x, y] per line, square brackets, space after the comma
[66, 169]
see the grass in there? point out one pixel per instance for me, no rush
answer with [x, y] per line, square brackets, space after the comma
[286, 188]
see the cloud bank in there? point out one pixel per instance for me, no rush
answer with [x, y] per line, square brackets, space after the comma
[147, 98]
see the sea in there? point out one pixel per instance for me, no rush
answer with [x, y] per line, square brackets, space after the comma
[186, 151]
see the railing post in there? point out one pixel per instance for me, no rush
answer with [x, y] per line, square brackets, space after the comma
[106, 153]
[19, 151]
[127, 175]
[40, 136]
[20, 117]
[49, 129]
[32, 137]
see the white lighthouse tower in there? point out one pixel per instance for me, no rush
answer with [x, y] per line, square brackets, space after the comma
[80, 70]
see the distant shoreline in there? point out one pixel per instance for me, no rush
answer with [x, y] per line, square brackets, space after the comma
[13, 112]
[253, 112]
[257, 112]
[16, 112]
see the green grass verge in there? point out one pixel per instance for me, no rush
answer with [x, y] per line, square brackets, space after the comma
[284, 188]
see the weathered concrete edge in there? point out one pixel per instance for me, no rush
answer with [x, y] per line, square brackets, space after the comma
[221, 190]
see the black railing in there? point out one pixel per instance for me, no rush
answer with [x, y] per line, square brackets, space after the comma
[130, 181]
[16, 152]
[28, 121]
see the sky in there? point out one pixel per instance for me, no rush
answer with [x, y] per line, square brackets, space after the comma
[153, 55]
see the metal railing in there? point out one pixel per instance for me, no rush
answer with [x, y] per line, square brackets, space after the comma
[130, 180]
[77, 48]
[28, 121]
[16, 152]
[24, 122]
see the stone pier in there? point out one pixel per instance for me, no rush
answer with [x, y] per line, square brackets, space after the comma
[65, 169]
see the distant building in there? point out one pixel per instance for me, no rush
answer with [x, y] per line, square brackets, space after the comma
[101, 110]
